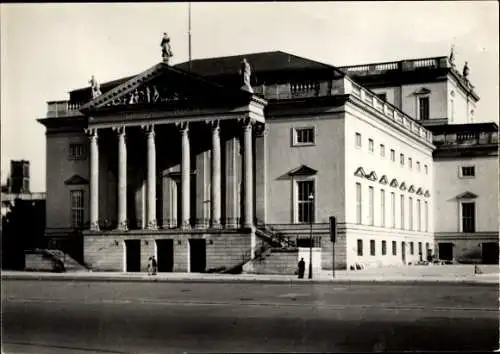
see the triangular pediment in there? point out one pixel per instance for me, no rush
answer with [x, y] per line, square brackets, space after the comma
[402, 186]
[423, 91]
[411, 189]
[427, 194]
[372, 176]
[302, 170]
[162, 84]
[76, 180]
[394, 183]
[383, 180]
[420, 191]
[466, 195]
[360, 172]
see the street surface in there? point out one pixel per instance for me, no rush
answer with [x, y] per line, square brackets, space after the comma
[121, 317]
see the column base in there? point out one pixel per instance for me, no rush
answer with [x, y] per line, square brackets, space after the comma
[122, 226]
[186, 225]
[170, 224]
[216, 224]
[152, 225]
[202, 224]
[231, 223]
[94, 226]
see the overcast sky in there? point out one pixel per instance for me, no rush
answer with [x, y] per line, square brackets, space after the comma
[49, 49]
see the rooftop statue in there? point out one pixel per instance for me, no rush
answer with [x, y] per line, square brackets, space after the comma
[166, 50]
[451, 59]
[95, 87]
[465, 72]
[246, 72]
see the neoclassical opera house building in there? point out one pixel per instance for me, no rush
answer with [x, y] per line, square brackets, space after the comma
[207, 165]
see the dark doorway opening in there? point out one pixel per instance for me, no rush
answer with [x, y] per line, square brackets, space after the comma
[197, 255]
[489, 252]
[165, 255]
[403, 252]
[133, 255]
[446, 251]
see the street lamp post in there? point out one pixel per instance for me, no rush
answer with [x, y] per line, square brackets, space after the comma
[311, 199]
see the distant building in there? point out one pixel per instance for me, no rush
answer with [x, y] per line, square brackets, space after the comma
[19, 180]
[202, 172]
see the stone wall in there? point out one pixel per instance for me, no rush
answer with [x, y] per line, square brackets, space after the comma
[275, 261]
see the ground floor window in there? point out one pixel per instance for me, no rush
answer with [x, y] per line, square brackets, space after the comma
[372, 247]
[412, 250]
[305, 201]
[384, 248]
[468, 217]
[394, 248]
[358, 203]
[360, 247]
[76, 208]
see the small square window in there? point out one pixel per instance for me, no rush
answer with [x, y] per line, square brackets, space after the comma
[304, 136]
[402, 159]
[358, 140]
[468, 171]
[393, 155]
[410, 162]
[382, 96]
[76, 152]
[370, 145]
[382, 150]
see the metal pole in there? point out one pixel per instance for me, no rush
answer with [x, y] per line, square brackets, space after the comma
[333, 260]
[189, 33]
[310, 236]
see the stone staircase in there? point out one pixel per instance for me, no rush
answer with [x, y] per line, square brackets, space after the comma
[52, 260]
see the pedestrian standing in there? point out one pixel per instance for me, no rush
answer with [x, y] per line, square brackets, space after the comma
[150, 265]
[302, 268]
[154, 265]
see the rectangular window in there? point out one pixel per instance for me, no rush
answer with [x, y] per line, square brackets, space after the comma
[370, 205]
[393, 210]
[426, 169]
[382, 150]
[305, 202]
[372, 247]
[402, 202]
[423, 103]
[358, 203]
[358, 140]
[419, 216]
[393, 155]
[382, 96]
[360, 247]
[402, 159]
[76, 208]
[382, 208]
[304, 136]
[426, 217]
[427, 247]
[420, 248]
[26, 186]
[468, 217]
[394, 248]
[410, 213]
[76, 152]
[412, 250]
[467, 171]
[410, 163]
[370, 145]
[418, 166]
[384, 248]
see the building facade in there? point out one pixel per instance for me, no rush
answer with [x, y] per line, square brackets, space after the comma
[185, 163]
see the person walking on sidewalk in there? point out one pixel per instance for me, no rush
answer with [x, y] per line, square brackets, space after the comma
[302, 268]
[150, 265]
[154, 265]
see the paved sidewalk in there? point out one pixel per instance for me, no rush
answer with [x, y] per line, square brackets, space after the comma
[323, 277]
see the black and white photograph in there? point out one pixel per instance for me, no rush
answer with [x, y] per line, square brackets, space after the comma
[253, 177]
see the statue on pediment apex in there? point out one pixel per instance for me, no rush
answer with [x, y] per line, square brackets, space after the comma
[95, 87]
[246, 72]
[465, 72]
[166, 49]
[451, 58]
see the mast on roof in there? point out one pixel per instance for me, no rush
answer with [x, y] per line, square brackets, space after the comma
[189, 33]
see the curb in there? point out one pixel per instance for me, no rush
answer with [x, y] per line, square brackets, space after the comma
[152, 279]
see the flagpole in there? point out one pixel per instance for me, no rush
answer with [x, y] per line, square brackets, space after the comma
[189, 33]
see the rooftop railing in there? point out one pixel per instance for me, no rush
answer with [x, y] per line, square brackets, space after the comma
[387, 109]
[466, 138]
[403, 65]
[57, 109]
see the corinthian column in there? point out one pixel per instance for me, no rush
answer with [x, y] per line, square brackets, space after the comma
[94, 179]
[185, 176]
[151, 184]
[248, 173]
[216, 175]
[122, 179]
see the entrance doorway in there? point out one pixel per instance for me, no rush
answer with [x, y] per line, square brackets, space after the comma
[197, 255]
[403, 252]
[489, 252]
[165, 255]
[133, 255]
[445, 251]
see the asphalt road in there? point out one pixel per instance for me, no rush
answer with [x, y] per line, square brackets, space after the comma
[82, 317]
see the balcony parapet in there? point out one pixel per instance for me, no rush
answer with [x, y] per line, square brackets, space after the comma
[66, 108]
[466, 139]
[388, 110]
[403, 65]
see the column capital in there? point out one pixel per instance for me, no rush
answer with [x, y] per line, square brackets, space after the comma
[91, 132]
[261, 130]
[182, 126]
[214, 124]
[246, 122]
[120, 130]
[148, 128]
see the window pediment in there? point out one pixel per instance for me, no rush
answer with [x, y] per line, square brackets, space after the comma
[76, 180]
[420, 191]
[427, 194]
[360, 172]
[423, 91]
[411, 189]
[402, 186]
[383, 180]
[372, 176]
[466, 195]
[302, 170]
[394, 183]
